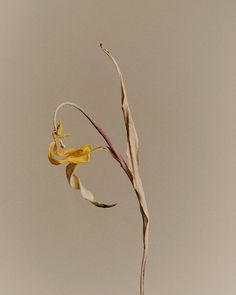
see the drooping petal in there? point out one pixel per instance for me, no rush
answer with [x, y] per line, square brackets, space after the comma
[80, 155]
[66, 156]
[75, 183]
[51, 157]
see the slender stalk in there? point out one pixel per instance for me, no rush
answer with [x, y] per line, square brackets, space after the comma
[146, 225]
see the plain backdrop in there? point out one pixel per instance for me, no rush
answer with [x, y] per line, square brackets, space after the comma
[178, 59]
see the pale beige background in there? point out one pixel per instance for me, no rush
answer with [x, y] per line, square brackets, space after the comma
[179, 64]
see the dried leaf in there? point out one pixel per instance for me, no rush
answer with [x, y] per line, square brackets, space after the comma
[133, 157]
[132, 138]
[76, 183]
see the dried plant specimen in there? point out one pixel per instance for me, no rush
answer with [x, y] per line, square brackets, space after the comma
[73, 157]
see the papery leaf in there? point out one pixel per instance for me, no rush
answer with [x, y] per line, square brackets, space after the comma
[133, 157]
[132, 138]
[76, 183]
[87, 195]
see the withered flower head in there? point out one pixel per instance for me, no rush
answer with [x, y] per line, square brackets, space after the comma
[73, 157]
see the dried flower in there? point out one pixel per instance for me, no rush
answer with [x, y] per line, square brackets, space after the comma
[72, 157]
[75, 157]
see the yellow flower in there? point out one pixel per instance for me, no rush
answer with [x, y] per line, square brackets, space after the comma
[72, 157]
[66, 156]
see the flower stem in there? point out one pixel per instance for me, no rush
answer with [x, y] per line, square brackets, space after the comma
[111, 146]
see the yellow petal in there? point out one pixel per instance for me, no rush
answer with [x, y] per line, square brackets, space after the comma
[63, 151]
[51, 156]
[80, 155]
[75, 156]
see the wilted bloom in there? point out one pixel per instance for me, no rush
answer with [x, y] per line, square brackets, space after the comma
[72, 157]
[58, 154]
[67, 156]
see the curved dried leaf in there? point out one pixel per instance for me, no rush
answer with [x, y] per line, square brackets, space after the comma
[76, 183]
[132, 138]
[133, 158]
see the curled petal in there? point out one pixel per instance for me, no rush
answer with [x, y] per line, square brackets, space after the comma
[80, 155]
[75, 183]
[75, 156]
[51, 157]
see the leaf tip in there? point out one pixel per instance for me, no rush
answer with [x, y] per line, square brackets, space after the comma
[102, 205]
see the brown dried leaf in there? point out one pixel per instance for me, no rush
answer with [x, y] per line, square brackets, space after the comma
[133, 157]
[132, 138]
[76, 183]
